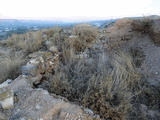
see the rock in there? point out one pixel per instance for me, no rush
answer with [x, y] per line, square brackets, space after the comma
[6, 98]
[36, 80]
[38, 104]
[46, 61]
[6, 83]
[29, 69]
[21, 82]
[53, 49]
[3, 116]
[156, 73]
[41, 63]
[48, 43]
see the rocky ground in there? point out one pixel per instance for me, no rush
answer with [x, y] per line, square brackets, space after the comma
[38, 104]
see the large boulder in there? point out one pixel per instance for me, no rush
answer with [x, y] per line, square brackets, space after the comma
[6, 95]
[6, 98]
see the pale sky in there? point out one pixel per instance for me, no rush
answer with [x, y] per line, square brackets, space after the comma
[77, 9]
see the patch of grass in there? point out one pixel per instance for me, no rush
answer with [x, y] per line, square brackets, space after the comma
[29, 42]
[138, 56]
[84, 35]
[55, 36]
[10, 66]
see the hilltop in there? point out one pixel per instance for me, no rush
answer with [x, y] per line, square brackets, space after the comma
[83, 72]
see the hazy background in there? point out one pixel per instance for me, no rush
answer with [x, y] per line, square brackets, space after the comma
[77, 9]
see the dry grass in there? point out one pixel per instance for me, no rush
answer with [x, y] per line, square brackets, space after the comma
[142, 25]
[107, 92]
[110, 93]
[138, 56]
[106, 82]
[10, 66]
[28, 42]
[149, 27]
[84, 35]
[55, 37]
[155, 32]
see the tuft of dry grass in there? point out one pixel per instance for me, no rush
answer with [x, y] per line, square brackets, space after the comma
[10, 66]
[55, 37]
[29, 42]
[138, 56]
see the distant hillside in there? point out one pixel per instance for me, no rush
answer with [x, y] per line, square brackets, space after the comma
[10, 26]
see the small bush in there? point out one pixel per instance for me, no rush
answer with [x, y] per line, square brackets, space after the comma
[55, 36]
[138, 56]
[155, 32]
[142, 25]
[148, 26]
[84, 35]
[10, 66]
[28, 42]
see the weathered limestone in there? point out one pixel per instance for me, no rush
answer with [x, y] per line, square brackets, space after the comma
[40, 64]
[6, 98]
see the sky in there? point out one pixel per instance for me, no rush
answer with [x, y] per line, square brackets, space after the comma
[77, 9]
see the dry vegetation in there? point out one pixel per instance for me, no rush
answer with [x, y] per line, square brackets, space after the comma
[10, 66]
[83, 36]
[106, 81]
[147, 26]
[29, 42]
[107, 91]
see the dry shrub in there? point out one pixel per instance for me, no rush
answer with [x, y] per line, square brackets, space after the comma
[55, 36]
[107, 91]
[148, 97]
[138, 56]
[28, 42]
[109, 94]
[148, 26]
[119, 33]
[142, 25]
[50, 32]
[155, 37]
[84, 35]
[10, 66]
[67, 53]
[155, 32]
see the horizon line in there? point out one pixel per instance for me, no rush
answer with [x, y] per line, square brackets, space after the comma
[72, 18]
